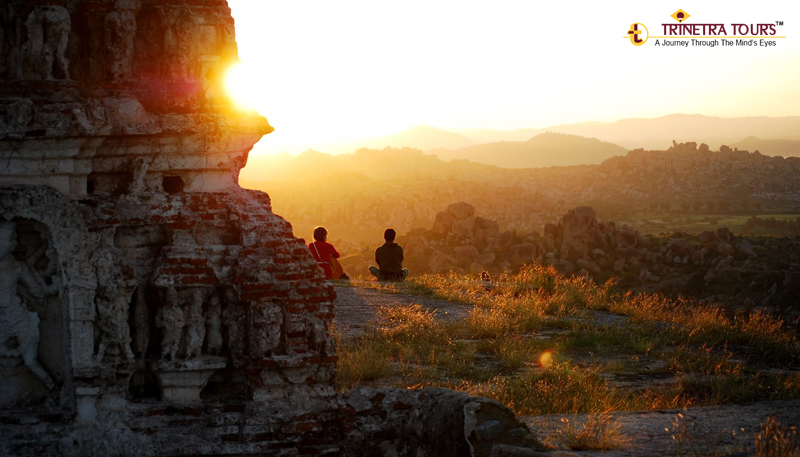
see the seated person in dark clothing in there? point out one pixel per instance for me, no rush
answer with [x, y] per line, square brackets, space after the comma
[389, 258]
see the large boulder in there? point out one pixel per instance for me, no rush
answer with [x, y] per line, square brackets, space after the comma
[522, 254]
[443, 222]
[580, 229]
[492, 227]
[432, 422]
[486, 259]
[464, 226]
[708, 239]
[441, 262]
[466, 253]
[724, 234]
[416, 248]
[506, 240]
[626, 237]
[461, 210]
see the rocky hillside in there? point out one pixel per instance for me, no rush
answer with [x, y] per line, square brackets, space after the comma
[785, 148]
[357, 195]
[657, 133]
[750, 274]
[544, 150]
[683, 173]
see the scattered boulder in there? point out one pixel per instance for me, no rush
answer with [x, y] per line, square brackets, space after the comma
[466, 253]
[461, 210]
[441, 262]
[579, 228]
[444, 221]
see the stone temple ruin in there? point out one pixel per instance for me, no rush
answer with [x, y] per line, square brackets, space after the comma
[148, 304]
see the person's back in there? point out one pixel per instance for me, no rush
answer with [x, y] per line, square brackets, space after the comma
[389, 258]
[324, 253]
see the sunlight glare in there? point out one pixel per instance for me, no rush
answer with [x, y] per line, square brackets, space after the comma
[240, 84]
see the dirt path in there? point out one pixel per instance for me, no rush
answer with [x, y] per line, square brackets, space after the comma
[709, 429]
[356, 306]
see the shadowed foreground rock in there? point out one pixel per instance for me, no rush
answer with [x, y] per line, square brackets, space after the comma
[148, 304]
[431, 422]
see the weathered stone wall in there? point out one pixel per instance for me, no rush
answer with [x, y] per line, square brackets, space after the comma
[151, 305]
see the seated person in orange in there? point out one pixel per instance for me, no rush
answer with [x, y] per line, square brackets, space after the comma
[389, 258]
[322, 251]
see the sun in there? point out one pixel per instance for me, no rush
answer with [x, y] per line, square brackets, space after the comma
[240, 85]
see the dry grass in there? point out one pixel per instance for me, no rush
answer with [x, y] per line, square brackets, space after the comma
[599, 432]
[775, 441]
[771, 440]
[361, 362]
[495, 351]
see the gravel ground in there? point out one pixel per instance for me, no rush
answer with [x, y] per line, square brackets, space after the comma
[709, 428]
[355, 307]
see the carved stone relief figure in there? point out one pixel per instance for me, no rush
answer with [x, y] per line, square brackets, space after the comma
[195, 324]
[140, 167]
[112, 303]
[233, 316]
[120, 31]
[171, 320]
[19, 327]
[179, 43]
[214, 326]
[267, 320]
[48, 35]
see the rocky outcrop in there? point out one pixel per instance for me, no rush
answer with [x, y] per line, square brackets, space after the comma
[580, 243]
[431, 422]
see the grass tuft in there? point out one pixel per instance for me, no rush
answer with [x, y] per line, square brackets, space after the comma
[599, 432]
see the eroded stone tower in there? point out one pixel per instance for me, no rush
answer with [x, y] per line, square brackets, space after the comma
[149, 304]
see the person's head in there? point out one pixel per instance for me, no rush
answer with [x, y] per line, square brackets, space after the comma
[320, 234]
[389, 235]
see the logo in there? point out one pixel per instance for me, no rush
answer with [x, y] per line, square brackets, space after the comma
[707, 34]
[680, 15]
[636, 33]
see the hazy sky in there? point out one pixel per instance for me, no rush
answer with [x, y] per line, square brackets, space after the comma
[328, 71]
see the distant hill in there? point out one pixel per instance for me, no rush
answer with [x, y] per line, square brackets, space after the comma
[544, 150]
[785, 148]
[658, 133]
[420, 137]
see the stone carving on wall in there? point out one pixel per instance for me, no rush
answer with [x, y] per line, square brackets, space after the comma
[188, 325]
[183, 369]
[19, 327]
[178, 42]
[48, 35]
[112, 303]
[120, 32]
[267, 328]
[235, 320]
[195, 324]
[141, 322]
[214, 326]
[171, 320]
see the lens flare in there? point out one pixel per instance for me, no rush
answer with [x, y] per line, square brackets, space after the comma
[546, 359]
